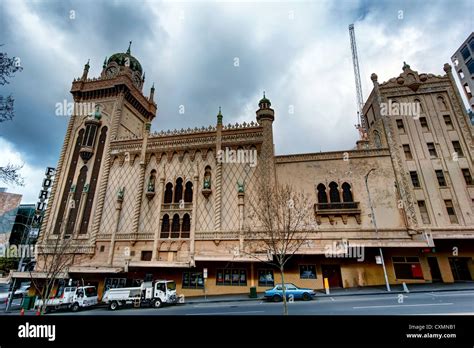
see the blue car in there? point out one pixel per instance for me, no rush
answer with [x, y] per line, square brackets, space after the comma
[292, 291]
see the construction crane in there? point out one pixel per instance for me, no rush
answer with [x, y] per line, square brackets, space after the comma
[361, 123]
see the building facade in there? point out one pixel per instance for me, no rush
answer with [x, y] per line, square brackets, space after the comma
[167, 205]
[9, 203]
[463, 60]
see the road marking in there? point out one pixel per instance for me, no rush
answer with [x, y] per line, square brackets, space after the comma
[225, 313]
[456, 295]
[460, 313]
[405, 305]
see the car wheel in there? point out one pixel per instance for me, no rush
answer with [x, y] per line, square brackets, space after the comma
[276, 298]
[75, 307]
[306, 297]
[157, 303]
[113, 305]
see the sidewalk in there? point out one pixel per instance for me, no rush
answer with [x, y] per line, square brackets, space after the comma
[368, 290]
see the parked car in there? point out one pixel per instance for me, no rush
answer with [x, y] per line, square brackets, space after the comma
[292, 291]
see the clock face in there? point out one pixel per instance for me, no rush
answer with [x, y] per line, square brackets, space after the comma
[111, 72]
[137, 80]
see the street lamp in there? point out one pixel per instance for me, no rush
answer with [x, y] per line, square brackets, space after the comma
[375, 227]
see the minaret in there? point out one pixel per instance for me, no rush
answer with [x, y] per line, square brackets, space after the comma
[86, 71]
[265, 117]
[152, 92]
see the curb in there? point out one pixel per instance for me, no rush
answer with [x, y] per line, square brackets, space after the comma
[322, 295]
[392, 292]
[222, 300]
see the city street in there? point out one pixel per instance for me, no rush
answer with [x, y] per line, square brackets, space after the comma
[436, 303]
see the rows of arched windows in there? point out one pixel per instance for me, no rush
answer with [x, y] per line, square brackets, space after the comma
[335, 198]
[175, 227]
[178, 192]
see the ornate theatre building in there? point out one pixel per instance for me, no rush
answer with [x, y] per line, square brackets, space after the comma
[138, 205]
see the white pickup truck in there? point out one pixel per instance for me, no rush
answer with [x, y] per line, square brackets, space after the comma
[152, 294]
[72, 298]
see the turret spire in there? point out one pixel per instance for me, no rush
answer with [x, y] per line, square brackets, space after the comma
[129, 45]
[219, 117]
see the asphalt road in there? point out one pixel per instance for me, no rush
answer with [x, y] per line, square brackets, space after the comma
[435, 303]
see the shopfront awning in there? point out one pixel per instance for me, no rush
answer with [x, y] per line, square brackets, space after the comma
[159, 264]
[92, 269]
[228, 258]
[37, 275]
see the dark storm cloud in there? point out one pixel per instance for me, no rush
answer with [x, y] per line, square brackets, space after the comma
[298, 52]
[98, 29]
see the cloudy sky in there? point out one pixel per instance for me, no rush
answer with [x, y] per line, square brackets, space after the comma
[206, 54]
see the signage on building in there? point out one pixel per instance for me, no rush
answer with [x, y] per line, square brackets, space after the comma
[378, 260]
[204, 273]
[43, 196]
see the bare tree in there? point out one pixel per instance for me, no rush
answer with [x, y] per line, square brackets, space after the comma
[10, 174]
[54, 258]
[283, 217]
[8, 66]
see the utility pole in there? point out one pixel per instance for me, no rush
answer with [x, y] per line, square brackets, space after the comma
[375, 227]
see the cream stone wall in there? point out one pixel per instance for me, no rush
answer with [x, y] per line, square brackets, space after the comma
[306, 175]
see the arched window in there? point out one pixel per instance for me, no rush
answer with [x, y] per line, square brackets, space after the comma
[334, 193]
[346, 193]
[175, 226]
[178, 190]
[168, 193]
[377, 141]
[441, 103]
[165, 226]
[186, 226]
[188, 192]
[322, 195]
[418, 101]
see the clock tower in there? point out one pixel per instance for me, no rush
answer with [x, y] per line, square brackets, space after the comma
[120, 110]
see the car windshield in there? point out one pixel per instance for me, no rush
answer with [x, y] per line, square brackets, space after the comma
[90, 291]
[171, 286]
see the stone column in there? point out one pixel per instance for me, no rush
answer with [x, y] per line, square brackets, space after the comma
[118, 210]
[141, 182]
[192, 233]
[241, 204]
[218, 181]
[159, 197]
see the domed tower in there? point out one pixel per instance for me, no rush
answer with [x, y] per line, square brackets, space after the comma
[108, 108]
[265, 117]
[124, 63]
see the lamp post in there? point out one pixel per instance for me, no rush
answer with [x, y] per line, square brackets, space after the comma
[375, 227]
